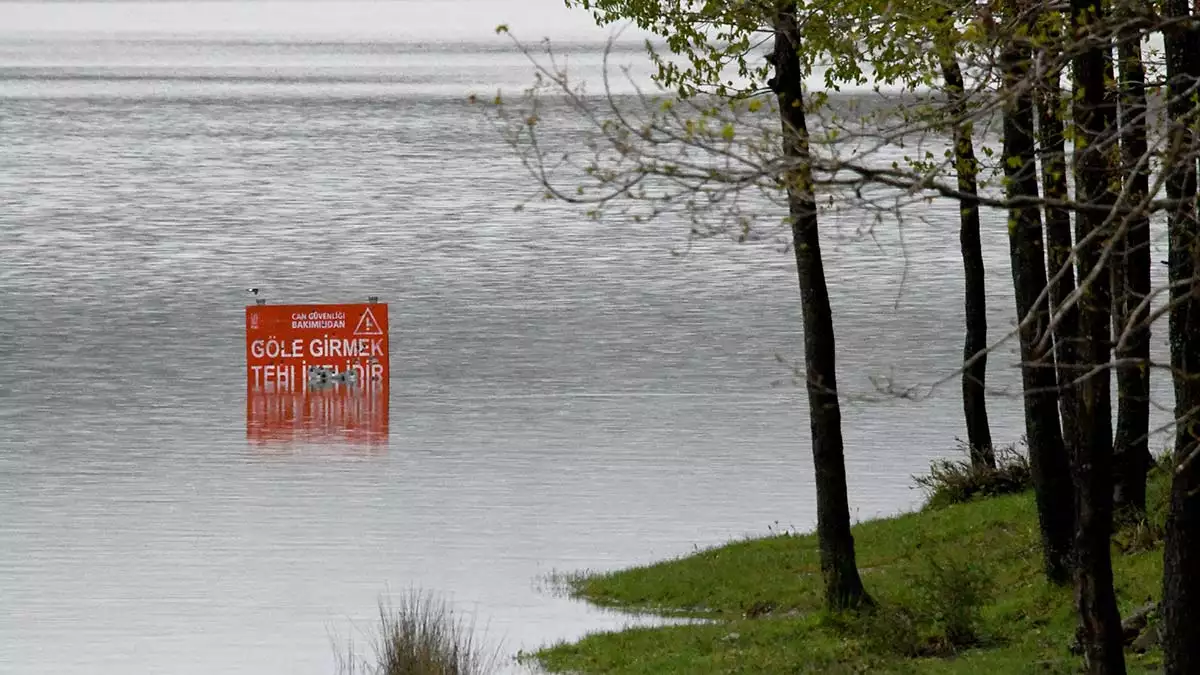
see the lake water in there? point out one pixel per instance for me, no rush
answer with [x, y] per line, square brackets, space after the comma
[565, 395]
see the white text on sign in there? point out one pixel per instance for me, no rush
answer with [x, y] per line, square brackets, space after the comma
[322, 347]
[291, 376]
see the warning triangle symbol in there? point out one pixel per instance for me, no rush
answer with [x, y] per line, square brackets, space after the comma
[367, 325]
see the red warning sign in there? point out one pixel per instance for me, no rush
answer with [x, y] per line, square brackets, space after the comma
[285, 342]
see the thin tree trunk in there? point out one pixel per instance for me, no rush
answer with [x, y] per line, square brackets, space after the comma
[1095, 125]
[979, 433]
[1181, 551]
[1131, 451]
[1059, 242]
[1047, 455]
[843, 586]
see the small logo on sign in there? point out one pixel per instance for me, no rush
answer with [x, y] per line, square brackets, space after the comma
[254, 322]
[367, 325]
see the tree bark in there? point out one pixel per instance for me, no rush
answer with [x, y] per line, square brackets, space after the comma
[1047, 455]
[1095, 124]
[979, 433]
[1131, 451]
[843, 586]
[1181, 551]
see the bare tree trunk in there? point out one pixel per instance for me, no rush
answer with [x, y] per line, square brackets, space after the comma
[1095, 124]
[1059, 241]
[843, 586]
[1181, 552]
[1131, 451]
[1047, 455]
[979, 432]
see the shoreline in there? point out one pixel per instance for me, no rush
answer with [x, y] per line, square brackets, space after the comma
[959, 589]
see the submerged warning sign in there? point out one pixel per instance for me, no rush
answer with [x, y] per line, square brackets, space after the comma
[285, 342]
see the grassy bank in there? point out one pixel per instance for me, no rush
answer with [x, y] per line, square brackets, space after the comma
[959, 590]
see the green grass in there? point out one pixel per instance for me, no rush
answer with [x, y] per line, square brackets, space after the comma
[763, 600]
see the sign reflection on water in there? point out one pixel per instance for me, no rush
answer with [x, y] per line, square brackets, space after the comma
[287, 344]
[352, 413]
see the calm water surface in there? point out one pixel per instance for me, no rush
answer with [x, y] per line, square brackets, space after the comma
[564, 395]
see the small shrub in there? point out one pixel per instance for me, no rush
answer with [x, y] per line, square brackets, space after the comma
[1145, 533]
[1139, 536]
[892, 630]
[939, 612]
[957, 481]
[951, 595]
[421, 636]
